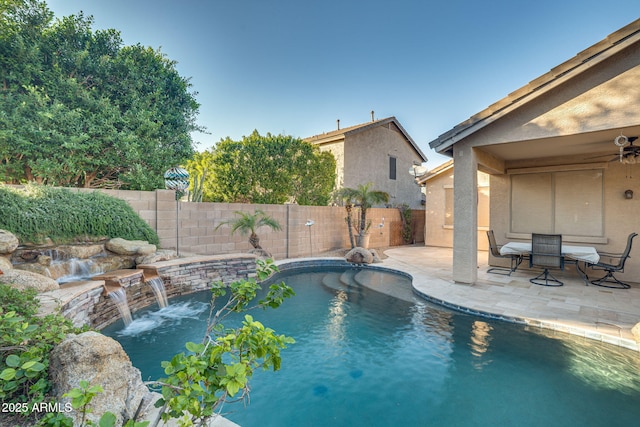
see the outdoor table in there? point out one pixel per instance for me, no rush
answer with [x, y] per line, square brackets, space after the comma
[585, 254]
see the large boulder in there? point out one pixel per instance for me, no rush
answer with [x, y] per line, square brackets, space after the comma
[359, 255]
[5, 264]
[8, 242]
[636, 332]
[261, 253]
[81, 251]
[130, 247]
[376, 257]
[161, 255]
[21, 279]
[99, 360]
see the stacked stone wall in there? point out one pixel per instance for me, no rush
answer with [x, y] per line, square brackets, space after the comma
[91, 305]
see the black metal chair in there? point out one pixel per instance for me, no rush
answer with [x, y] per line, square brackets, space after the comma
[546, 252]
[615, 265]
[516, 259]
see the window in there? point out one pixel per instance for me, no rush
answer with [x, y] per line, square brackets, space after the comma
[568, 203]
[392, 168]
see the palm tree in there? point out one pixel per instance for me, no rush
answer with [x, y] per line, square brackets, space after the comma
[364, 198]
[248, 223]
[345, 196]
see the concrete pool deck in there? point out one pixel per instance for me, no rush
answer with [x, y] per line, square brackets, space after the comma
[590, 311]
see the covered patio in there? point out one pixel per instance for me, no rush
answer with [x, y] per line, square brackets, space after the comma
[590, 311]
[563, 158]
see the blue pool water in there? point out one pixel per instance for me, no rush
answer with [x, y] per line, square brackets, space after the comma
[364, 357]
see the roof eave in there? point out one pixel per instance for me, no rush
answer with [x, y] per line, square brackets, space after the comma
[569, 69]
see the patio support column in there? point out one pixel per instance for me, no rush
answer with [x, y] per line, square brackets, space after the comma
[465, 214]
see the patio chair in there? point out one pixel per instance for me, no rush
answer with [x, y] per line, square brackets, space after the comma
[546, 252]
[516, 259]
[615, 265]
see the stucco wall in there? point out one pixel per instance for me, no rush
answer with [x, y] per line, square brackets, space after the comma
[197, 235]
[439, 224]
[366, 159]
[337, 149]
[620, 215]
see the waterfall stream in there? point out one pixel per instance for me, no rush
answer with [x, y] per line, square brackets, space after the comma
[119, 297]
[157, 284]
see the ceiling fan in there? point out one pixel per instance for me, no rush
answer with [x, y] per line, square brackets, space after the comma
[628, 151]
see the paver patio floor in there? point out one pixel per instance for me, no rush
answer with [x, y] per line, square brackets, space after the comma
[590, 311]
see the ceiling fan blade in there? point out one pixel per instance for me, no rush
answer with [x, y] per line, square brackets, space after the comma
[602, 156]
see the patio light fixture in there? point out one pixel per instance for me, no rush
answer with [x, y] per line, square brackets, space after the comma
[628, 194]
[309, 223]
[177, 179]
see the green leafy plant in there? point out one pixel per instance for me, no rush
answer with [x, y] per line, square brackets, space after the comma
[218, 369]
[81, 398]
[22, 301]
[37, 212]
[81, 109]
[407, 225]
[269, 169]
[25, 346]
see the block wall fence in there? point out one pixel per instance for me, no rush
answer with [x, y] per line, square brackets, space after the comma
[193, 225]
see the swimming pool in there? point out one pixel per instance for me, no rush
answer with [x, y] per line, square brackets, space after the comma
[364, 357]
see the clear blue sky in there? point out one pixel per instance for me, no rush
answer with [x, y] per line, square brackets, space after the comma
[295, 66]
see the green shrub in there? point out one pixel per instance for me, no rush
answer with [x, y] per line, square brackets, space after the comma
[23, 302]
[35, 213]
[26, 342]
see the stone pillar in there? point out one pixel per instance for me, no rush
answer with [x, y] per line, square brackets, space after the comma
[465, 214]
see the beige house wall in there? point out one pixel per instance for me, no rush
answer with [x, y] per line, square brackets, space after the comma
[337, 149]
[366, 159]
[363, 155]
[197, 222]
[619, 216]
[439, 223]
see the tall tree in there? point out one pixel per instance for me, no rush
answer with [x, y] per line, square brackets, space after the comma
[271, 169]
[78, 108]
[200, 178]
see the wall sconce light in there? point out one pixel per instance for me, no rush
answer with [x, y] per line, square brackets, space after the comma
[628, 194]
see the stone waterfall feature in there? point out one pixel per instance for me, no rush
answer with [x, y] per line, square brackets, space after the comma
[88, 303]
[69, 263]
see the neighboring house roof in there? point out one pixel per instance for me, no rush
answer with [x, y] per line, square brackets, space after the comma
[438, 170]
[341, 134]
[584, 60]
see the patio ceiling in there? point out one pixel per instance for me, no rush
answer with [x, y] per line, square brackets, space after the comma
[580, 147]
